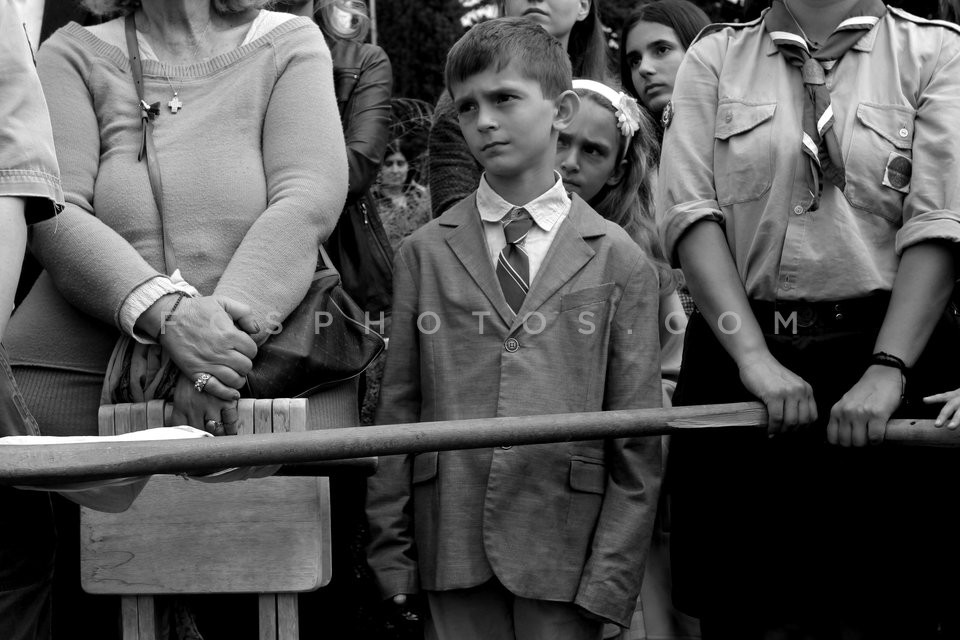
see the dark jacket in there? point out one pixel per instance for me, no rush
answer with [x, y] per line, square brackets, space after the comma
[362, 80]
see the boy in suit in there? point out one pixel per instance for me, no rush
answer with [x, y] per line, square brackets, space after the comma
[558, 316]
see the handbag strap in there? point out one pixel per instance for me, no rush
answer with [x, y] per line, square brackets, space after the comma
[147, 113]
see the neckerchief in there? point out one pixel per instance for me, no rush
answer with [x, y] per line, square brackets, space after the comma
[820, 141]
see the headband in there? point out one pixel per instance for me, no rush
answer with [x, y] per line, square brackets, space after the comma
[627, 111]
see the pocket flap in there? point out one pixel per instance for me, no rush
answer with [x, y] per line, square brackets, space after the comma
[892, 122]
[734, 118]
[583, 297]
[589, 476]
[425, 466]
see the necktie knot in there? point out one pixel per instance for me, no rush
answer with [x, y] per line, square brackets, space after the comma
[813, 72]
[517, 226]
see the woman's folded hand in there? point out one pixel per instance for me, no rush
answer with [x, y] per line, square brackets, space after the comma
[212, 335]
[204, 410]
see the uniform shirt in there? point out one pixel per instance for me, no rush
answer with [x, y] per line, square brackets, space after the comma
[547, 210]
[732, 154]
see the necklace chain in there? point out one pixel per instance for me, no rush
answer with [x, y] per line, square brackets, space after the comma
[175, 103]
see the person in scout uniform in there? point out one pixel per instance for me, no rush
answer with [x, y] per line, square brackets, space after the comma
[809, 190]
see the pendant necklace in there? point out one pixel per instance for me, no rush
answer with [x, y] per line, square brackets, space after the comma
[175, 103]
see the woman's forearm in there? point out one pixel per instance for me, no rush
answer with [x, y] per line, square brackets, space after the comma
[13, 242]
[920, 293]
[715, 284]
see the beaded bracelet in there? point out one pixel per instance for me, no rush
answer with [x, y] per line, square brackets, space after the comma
[169, 314]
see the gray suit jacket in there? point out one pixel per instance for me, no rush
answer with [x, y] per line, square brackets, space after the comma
[566, 522]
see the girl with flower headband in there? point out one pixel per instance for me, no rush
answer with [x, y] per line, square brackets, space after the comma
[608, 157]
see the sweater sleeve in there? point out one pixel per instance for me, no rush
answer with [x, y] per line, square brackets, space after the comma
[91, 264]
[368, 119]
[305, 163]
[454, 173]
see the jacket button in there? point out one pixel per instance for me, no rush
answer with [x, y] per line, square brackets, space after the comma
[511, 345]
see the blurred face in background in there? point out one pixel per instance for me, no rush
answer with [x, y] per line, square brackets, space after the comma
[654, 54]
[556, 16]
[393, 171]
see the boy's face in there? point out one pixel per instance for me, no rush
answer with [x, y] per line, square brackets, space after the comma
[507, 122]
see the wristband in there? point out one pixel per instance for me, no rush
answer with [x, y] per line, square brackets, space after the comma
[888, 360]
[169, 314]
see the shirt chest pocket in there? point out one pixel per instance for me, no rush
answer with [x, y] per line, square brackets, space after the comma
[743, 154]
[879, 159]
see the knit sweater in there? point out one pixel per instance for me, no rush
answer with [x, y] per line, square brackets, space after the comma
[252, 181]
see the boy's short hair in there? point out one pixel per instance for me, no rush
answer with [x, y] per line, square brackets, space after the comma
[500, 42]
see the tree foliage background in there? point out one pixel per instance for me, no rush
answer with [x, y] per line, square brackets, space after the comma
[416, 34]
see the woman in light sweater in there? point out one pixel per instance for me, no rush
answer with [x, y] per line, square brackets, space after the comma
[252, 181]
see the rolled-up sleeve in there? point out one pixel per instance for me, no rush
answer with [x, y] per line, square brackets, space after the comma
[686, 191]
[28, 162]
[931, 211]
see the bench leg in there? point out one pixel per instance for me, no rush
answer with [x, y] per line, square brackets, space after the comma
[278, 617]
[139, 621]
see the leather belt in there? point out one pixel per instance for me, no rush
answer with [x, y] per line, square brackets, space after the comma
[786, 317]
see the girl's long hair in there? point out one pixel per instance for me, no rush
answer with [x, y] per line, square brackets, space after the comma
[587, 46]
[630, 202]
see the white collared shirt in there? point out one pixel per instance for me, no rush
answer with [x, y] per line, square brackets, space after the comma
[547, 210]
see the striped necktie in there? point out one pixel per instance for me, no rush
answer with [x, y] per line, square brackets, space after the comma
[513, 267]
[820, 141]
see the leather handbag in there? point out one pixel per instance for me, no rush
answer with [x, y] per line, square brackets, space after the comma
[324, 341]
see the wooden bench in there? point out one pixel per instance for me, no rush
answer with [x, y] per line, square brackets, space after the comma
[269, 536]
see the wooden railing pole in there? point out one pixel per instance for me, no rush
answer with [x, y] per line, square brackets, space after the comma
[53, 464]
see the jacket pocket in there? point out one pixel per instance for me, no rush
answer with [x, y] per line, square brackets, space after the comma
[589, 476]
[742, 151]
[588, 296]
[425, 466]
[879, 159]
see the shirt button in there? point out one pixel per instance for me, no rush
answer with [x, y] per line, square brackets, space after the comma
[798, 210]
[729, 117]
[904, 133]
[511, 345]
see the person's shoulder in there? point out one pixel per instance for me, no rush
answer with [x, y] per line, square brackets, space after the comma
[292, 35]
[83, 48]
[730, 30]
[921, 39]
[899, 15]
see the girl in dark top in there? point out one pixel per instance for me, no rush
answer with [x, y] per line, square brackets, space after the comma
[454, 174]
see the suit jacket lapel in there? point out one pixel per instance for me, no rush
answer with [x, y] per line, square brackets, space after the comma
[464, 234]
[567, 255]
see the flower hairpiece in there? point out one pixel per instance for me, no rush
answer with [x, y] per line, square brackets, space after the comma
[628, 115]
[626, 108]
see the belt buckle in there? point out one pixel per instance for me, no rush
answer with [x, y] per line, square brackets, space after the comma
[806, 316]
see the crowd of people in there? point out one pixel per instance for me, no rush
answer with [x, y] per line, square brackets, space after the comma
[767, 210]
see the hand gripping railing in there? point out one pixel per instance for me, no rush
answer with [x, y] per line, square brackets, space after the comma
[55, 464]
